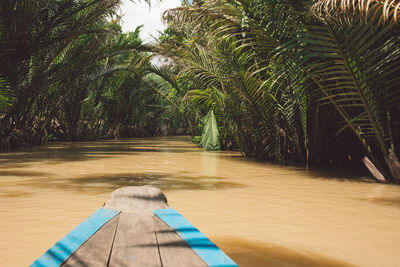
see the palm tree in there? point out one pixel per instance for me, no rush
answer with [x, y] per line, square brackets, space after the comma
[287, 64]
[36, 39]
[67, 69]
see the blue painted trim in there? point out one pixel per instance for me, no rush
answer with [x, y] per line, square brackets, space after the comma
[64, 248]
[206, 249]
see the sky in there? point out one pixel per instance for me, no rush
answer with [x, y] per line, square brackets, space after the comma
[135, 14]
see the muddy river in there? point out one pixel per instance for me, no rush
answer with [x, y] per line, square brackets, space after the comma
[260, 214]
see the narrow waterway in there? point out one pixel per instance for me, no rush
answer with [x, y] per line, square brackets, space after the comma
[259, 214]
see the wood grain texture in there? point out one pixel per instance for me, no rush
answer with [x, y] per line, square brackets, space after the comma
[203, 246]
[70, 243]
[96, 250]
[135, 241]
[137, 198]
[126, 232]
[173, 250]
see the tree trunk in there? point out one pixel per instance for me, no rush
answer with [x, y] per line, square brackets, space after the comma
[374, 171]
[393, 165]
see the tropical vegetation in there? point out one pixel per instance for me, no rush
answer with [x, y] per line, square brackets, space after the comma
[316, 82]
[68, 72]
[288, 80]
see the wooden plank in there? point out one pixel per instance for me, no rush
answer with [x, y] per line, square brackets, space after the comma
[174, 251]
[137, 198]
[62, 250]
[206, 249]
[135, 241]
[97, 249]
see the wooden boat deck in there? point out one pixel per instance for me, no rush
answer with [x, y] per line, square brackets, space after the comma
[135, 228]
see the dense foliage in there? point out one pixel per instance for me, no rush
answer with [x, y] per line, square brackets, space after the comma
[310, 81]
[67, 72]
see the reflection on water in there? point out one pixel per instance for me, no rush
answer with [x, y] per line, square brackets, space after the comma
[260, 214]
[209, 161]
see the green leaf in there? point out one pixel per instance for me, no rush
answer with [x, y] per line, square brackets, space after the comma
[210, 136]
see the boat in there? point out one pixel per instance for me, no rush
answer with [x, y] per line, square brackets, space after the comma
[135, 227]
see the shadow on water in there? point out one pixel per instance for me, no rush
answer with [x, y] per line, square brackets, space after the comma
[107, 183]
[22, 173]
[387, 201]
[246, 253]
[14, 194]
[354, 174]
[83, 151]
[18, 159]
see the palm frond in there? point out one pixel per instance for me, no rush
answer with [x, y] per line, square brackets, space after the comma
[378, 12]
[210, 136]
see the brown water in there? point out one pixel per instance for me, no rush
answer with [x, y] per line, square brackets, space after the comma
[259, 214]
